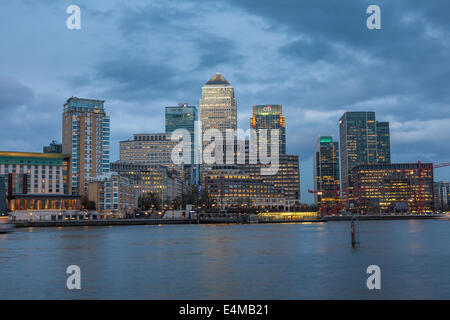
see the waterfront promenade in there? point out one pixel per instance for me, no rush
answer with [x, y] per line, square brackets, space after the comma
[235, 219]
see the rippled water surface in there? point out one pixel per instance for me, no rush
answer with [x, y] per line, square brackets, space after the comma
[273, 261]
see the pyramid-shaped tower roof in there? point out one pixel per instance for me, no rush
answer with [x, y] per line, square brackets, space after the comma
[217, 79]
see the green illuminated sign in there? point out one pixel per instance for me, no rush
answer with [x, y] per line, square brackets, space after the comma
[326, 139]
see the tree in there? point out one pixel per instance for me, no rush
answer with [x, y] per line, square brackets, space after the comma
[149, 200]
[88, 204]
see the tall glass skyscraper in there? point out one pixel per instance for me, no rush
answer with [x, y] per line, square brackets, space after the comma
[326, 171]
[363, 141]
[269, 117]
[383, 142]
[218, 105]
[86, 129]
[184, 117]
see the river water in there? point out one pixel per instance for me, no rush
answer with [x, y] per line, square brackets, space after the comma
[271, 261]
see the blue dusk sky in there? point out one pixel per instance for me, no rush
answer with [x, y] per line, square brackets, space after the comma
[315, 57]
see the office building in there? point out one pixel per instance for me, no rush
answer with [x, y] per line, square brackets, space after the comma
[326, 172]
[150, 149]
[167, 183]
[232, 186]
[269, 117]
[442, 195]
[383, 142]
[287, 178]
[182, 117]
[35, 173]
[36, 186]
[113, 194]
[383, 188]
[86, 137]
[218, 109]
[185, 117]
[363, 141]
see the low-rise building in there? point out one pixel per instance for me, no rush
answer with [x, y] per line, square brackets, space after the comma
[378, 186]
[45, 207]
[167, 183]
[112, 194]
[35, 173]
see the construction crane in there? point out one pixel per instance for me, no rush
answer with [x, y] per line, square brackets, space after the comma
[322, 206]
[337, 206]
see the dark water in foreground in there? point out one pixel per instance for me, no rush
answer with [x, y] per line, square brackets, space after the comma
[278, 261]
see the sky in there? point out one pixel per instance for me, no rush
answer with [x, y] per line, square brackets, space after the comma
[315, 57]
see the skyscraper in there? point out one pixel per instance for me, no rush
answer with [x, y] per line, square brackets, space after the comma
[184, 117]
[361, 144]
[326, 171]
[218, 105]
[383, 143]
[269, 117]
[442, 195]
[86, 129]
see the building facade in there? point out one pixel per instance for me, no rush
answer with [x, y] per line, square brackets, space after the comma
[185, 117]
[287, 178]
[361, 144]
[182, 117]
[150, 149]
[218, 108]
[86, 137]
[234, 186]
[3, 204]
[442, 195]
[238, 184]
[35, 173]
[113, 193]
[326, 172]
[383, 142]
[269, 117]
[382, 187]
[167, 183]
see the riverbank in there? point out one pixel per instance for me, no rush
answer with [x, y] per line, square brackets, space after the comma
[384, 217]
[215, 220]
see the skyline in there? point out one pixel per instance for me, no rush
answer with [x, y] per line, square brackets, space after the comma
[319, 82]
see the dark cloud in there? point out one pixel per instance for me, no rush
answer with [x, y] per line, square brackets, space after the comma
[215, 51]
[13, 93]
[317, 58]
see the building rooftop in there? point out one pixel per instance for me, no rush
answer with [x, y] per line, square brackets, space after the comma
[85, 100]
[33, 155]
[217, 79]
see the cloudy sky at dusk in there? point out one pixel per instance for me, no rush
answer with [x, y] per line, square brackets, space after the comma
[315, 57]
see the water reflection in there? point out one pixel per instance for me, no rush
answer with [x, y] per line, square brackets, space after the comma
[273, 261]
